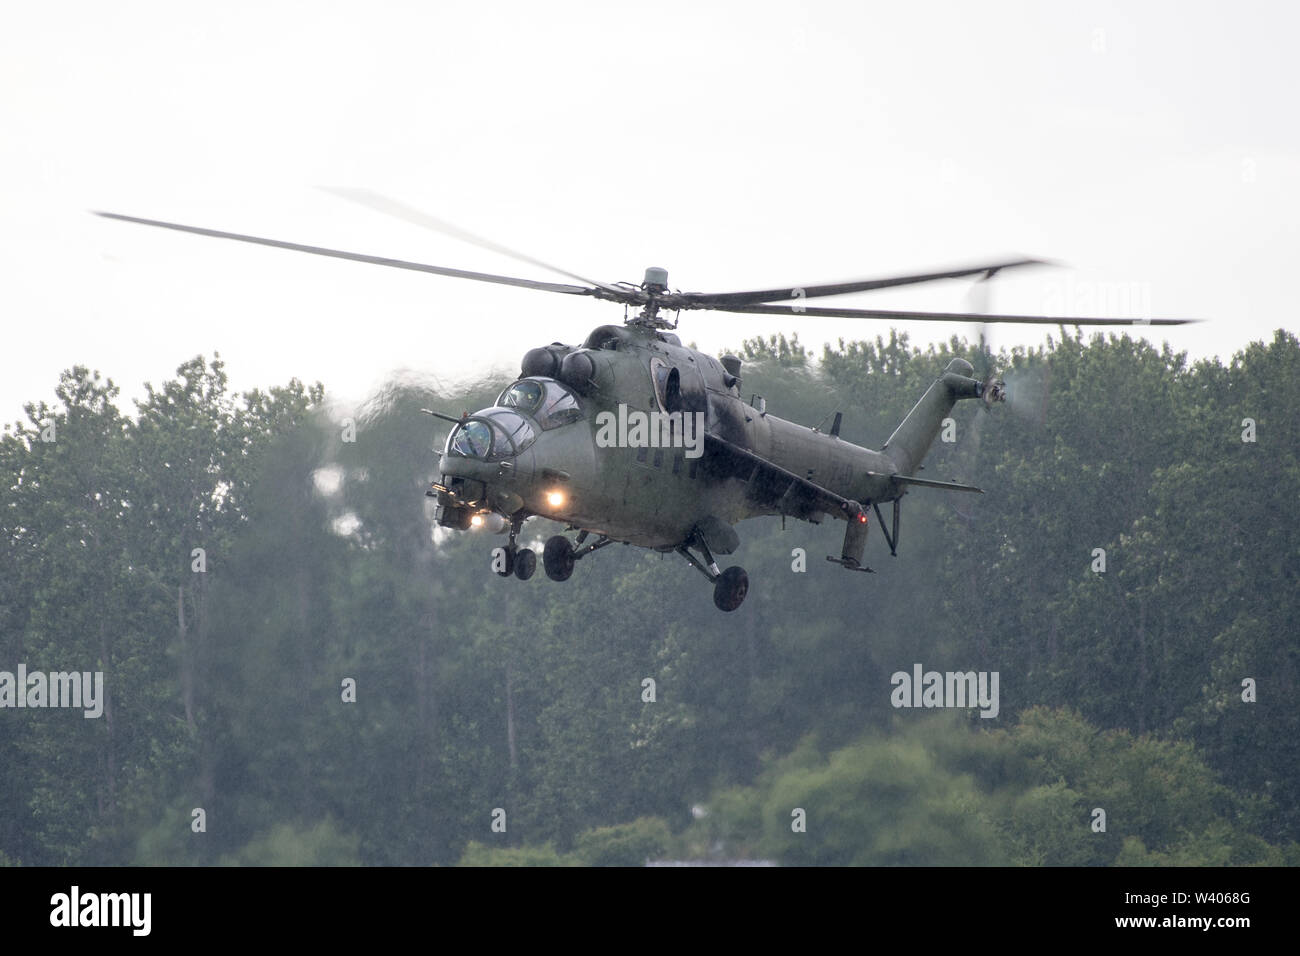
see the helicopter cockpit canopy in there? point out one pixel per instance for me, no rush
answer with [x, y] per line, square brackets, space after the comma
[548, 402]
[492, 434]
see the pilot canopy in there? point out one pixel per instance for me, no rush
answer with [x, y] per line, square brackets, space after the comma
[508, 428]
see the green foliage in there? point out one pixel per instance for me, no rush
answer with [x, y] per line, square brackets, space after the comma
[905, 798]
[878, 803]
[775, 348]
[625, 844]
[101, 515]
[476, 854]
[1120, 690]
[285, 844]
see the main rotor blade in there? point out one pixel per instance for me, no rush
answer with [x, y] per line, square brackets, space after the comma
[724, 300]
[400, 210]
[798, 310]
[358, 257]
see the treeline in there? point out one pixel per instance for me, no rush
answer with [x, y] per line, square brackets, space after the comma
[242, 566]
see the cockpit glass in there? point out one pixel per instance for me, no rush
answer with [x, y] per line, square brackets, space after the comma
[492, 434]
[526, 395]
[519, 434]
[546, 400]
[473, 439]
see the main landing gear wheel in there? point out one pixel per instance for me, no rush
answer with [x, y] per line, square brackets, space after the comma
[730, 588]
[525, 563]
[507, 563]
[557, 558]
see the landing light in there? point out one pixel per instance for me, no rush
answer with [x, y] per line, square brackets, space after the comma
[476, 521]
[555, 499]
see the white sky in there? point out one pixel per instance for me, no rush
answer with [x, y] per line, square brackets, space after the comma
[1154, 147]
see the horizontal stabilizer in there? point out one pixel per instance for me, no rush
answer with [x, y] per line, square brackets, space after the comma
[927, 482]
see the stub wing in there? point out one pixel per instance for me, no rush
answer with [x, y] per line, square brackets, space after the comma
[772, 486]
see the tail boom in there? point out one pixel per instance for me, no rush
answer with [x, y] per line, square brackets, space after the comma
[912, 439]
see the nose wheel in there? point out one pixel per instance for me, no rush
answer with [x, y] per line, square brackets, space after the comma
[521, 562]
[525, 563]
[558, 557]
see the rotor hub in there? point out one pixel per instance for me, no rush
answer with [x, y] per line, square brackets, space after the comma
[654, 285]
[656, 280]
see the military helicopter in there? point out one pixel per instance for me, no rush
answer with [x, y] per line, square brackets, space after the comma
[632, 437]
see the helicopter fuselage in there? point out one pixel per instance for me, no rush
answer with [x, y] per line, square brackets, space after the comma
[656, 489]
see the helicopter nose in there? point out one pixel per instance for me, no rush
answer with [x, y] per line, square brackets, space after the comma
[473, 469]
[501, 485]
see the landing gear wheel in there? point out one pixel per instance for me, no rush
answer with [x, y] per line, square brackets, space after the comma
[525, 563]
[557, 558]
[730, 588]
[508, 564]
